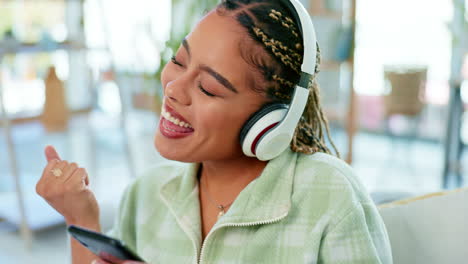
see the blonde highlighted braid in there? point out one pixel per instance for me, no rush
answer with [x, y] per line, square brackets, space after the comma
[275, 46]
[287, 22]
[281, 64]
[283, 81]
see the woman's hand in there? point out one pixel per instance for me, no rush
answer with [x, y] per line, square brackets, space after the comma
[100, 261]
[65, 187]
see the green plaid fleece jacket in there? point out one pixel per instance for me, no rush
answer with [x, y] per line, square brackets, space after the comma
[301, 209]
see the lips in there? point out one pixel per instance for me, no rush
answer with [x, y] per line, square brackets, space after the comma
[173, 113]
[173, 125]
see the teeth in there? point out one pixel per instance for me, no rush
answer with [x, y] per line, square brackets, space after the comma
[174, 120]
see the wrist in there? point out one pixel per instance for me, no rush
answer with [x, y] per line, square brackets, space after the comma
[88, 224]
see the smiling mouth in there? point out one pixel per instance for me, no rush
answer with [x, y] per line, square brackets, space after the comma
[174, 120]
[165, 127]
[173, 131]
[169, 126]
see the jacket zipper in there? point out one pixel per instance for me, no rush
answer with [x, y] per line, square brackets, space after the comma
[200, 260]
[184, 228]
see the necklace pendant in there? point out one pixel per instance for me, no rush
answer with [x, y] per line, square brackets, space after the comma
[221, 213]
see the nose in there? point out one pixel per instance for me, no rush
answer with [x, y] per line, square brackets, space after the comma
[177, 91]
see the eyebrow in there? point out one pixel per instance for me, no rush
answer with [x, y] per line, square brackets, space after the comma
[212, 72]
[219, 78]
[186, 45]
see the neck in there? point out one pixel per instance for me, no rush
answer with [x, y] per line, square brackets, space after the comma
[224, 180]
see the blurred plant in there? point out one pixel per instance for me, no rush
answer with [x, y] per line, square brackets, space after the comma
[6, 14]
[185, 14]
[459, 26]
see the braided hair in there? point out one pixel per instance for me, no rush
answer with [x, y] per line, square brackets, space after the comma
[276, 52]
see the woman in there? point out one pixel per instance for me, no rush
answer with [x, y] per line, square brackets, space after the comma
[304, 206]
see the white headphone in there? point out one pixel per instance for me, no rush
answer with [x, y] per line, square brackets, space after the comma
[269, 131]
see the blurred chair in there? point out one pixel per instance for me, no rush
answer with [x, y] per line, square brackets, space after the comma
[429, 229]
[405, 88]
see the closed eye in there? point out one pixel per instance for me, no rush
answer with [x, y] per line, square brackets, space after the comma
[204, 91]
[174, 60]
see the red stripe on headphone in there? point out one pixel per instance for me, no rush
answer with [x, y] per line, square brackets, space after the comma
[254, 143]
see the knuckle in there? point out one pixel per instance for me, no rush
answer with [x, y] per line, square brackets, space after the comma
[47, 169]
[45, 194]
[39, 189]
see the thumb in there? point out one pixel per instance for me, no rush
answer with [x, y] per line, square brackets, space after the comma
[51, 153]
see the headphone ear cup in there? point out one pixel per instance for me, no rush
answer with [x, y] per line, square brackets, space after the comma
[259, 124]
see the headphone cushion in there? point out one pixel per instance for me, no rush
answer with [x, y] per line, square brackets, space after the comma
[257, 116]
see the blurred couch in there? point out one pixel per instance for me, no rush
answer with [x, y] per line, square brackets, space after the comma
[429, 229]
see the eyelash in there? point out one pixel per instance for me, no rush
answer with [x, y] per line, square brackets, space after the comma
[174, 60]
[204, 91]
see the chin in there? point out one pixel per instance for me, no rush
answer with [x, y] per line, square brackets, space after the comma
[169, 150]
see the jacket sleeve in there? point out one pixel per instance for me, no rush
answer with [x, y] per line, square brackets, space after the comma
[358, 237]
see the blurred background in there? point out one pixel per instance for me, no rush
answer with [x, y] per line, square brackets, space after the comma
[83, 75]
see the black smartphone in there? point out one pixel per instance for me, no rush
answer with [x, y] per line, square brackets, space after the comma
[107, 248]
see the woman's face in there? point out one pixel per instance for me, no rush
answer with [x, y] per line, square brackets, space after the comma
[207, 98]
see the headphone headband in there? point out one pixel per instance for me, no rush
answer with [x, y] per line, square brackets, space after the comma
[309, 38]
[275, 136]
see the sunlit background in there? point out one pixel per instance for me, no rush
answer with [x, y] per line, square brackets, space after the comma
[108, 54]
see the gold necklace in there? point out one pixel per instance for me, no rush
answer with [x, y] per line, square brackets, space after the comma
[221, 207]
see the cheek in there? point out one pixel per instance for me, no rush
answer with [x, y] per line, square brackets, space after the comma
[221, 121]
